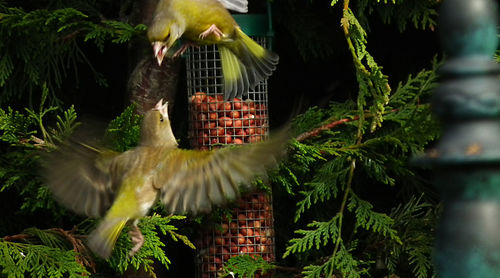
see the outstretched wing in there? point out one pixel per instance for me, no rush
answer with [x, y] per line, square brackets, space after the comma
[78, 176]
[193, 181]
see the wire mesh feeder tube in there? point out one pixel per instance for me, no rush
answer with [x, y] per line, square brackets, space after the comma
[249, 231]
[215, 122]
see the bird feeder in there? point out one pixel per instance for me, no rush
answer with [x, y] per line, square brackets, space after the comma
[215, 122]
[248, 231]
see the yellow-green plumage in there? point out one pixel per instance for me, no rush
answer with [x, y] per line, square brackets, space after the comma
[122, 187]
[244, 62]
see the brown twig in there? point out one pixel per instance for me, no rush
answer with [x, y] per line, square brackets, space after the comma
[16, 237]
[70, 36]
[318, 130]
[82, 253]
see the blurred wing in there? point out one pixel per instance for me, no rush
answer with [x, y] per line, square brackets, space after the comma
[193, 181]
[240, 6]
[79, 178]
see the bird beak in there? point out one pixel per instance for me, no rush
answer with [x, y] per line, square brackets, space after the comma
[163, 108]
[159, 49]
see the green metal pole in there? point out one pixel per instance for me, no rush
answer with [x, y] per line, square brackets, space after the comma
[466, 160]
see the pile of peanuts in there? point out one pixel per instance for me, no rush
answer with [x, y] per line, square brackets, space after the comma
[248, 231]
[217, 121]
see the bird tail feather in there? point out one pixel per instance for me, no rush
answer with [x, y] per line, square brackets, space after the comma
[102, 240]
[244, 64]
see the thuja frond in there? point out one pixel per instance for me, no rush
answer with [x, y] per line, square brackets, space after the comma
[285, 177]
[111, 30]
[343, 263]
[318, 271]
[418, 258]
[14, 126]
[373, 84]
[56, 238]
[376, 169]
[370, 220]
[311, 118]
[381, 158]
[65, 124]
[416, 88]
[50, 49]
[366, 144]
[415, 222]
[23, 260]
[46, 237]
[321, 234]
[304, 159]
[43, 56]
[421, 13]
[246, 266]
[304, 156]
[124, 131]
[17, 128]
[19, 161]
[325, 185]
[44, 253]
[152, 248]
[38, 116]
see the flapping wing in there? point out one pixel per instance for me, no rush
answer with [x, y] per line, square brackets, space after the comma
[240, 6]
[193, 181]
[78, 176]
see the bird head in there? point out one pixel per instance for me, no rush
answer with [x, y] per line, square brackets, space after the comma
[163, 36]
[156, 129]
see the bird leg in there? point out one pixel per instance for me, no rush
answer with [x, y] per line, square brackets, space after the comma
[183, 49]
[137, 240]
[212, 30]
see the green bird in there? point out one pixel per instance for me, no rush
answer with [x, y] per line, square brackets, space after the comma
[122, 187]
[244, 62]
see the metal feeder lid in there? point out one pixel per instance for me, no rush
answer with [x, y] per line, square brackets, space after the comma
[254, 24]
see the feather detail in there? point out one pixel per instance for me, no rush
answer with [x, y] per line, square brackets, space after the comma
[244, 64]
[193, 181]
[79, 178]
[240, 6]
[102, 240]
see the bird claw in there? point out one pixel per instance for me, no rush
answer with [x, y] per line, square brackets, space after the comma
[183, 49]
[212, 30]
[137, 240]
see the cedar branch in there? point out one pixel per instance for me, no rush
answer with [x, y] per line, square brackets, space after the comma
[330, 125]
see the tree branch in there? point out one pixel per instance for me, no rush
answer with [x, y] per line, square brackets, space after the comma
[16, 237]
[318, 130]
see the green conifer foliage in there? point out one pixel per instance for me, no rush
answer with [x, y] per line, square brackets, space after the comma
[348, 156]
[44, 47]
